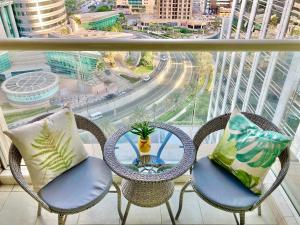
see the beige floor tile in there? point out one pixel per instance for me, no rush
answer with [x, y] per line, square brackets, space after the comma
[190, 214]
[291, 221]
[140, 215]
[48, 218]
[3, 198]
[105, 212]
[5, 188]
[17, 188]
[267, 216]
[19, 209]
[212, 215]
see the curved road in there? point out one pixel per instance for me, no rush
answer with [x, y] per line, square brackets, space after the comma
[174, 74]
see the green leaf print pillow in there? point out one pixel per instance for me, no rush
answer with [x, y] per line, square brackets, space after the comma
[247, 151]
[49, 146]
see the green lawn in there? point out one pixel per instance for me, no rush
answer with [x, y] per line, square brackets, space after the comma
[129, 78]
[201, 110]
[173, 112]
[143, 69]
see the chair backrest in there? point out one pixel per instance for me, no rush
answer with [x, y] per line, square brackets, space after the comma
[81, 122]
[15, 157]
[220, 122]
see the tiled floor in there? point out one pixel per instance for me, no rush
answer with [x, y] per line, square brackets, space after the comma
[18, 208]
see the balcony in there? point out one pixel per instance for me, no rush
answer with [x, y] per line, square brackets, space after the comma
[175, 89]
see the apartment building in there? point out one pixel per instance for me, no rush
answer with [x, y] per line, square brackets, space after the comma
[137, 6]
[174, 9]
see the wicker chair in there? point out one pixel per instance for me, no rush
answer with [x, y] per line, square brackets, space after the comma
[101, 175]
[200, 180]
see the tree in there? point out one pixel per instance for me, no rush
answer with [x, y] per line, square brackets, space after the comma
[76, 19]
[109, 59]
[100, 65]
[129, 61]
[117, 27]
[64, 31]
[72, 6]
[146, 59]
[104, 8]
[274, 20]
[140, 114]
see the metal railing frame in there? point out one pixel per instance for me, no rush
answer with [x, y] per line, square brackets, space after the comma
[85, 44]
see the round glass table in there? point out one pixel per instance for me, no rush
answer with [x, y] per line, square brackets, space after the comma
[148, 178]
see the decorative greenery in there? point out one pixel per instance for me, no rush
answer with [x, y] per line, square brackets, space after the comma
[72, 6]
[143, 129]
[59, 154]
[104, 8]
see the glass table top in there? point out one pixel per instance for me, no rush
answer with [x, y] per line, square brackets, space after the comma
[166, 152]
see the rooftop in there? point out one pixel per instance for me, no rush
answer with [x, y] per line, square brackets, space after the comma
[91, 17]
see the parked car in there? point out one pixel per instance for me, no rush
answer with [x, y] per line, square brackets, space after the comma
[107, 72]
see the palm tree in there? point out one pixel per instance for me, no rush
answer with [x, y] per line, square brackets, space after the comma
[100, 65]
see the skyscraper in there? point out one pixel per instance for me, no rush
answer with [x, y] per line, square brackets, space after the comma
[39, 17]
[8, 27]
[174, 9]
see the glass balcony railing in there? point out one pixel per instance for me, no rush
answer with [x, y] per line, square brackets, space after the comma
[183, 83]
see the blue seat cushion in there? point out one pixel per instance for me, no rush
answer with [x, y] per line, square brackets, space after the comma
[84, 184]
[218, 186]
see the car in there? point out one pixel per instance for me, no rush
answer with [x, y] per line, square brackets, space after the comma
[122, 93]
[110, 96]
[95, 115]
[107, 72]
[147, 78]
[164, 58]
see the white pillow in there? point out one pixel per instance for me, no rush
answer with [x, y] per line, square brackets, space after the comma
[49, 146]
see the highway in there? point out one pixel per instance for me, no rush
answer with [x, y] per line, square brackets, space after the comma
[175, 73]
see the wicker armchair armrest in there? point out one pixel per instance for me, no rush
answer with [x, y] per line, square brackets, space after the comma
[87, 125]
[285, 163]
[15, 166]
[218, 123]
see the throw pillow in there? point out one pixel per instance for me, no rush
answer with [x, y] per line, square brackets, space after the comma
[247, 151]
[49, 146]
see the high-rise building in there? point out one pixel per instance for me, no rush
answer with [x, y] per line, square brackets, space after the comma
[174, 9]
[39, 17]
[217, 6]
[137, 6]
[8, 27]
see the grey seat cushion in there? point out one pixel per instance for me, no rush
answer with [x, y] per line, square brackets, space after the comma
[220, 187]
[81, 186]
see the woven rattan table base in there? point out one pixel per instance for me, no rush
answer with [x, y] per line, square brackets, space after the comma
[147, 194]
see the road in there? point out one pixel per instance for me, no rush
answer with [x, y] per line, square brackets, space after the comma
[175, 74]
